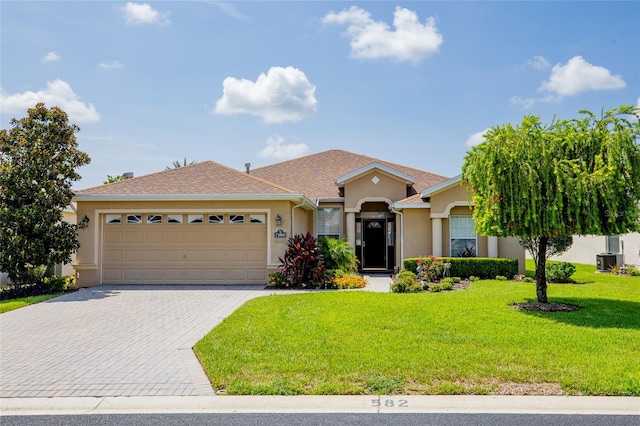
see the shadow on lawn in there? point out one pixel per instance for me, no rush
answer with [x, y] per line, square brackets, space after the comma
[595, 313]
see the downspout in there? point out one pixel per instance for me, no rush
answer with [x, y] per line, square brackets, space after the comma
[399, 212]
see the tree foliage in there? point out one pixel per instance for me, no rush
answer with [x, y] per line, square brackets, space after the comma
[577, 176]
[113, 179]
[177, 164]
[38, 161]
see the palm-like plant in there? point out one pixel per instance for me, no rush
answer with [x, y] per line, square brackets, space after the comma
[177, 164]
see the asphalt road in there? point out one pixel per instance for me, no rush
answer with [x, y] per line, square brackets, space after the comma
[431, 419]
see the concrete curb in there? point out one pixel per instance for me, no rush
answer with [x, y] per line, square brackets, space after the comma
[584, 405]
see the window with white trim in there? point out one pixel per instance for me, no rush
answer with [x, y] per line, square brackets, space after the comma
[236, 218]
[154, 218]
[216, 218]
[113, 219]
[329, 222]
[257, 218]
[174, 218]
[464, 242]
[134, 218]
[195, 218]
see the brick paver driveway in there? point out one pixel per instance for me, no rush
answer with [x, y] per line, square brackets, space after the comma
[114, 341]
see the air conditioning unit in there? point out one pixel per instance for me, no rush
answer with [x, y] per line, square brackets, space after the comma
[606, 261]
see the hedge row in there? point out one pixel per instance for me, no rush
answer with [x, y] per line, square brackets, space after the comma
[482, 267]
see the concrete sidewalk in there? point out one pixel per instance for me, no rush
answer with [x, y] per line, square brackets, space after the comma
[584, 405]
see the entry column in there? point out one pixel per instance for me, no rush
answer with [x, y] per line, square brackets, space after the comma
[436, 236]
[351, 229]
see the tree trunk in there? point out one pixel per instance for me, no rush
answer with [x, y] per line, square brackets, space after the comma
[541, 274]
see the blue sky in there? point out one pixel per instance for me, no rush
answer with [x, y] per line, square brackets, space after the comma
[414, 83]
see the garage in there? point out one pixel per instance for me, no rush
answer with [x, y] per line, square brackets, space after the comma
[184, 248]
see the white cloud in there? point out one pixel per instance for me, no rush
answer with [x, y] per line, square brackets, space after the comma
[580, 76]
[476, 138]
[282, 94]
[277, 149]
[51, 57]
[411, 40]
[111, 65]
[143, 13]
[538, 63]
[231, 10]
[58, 93]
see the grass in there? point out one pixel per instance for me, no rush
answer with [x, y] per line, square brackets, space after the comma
[463, 342]
[10, 305]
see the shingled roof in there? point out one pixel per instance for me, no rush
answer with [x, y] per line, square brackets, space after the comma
[314, 175]
[207, 177]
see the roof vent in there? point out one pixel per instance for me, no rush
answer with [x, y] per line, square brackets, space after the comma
[248, 167]
[127, 175]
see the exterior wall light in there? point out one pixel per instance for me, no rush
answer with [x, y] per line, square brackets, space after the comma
[84, 222]
[278, 220]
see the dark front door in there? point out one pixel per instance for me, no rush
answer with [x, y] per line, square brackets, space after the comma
[374, 244]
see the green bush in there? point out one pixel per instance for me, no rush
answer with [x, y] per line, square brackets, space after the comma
[406, 282]
[560, 272]
[444, 284]
[473, 278]
[501, 278]
[456, 279]
[338, 254]
[278, 280]
[482, 267]
[633, 272]
[55, 284]
[527, 280]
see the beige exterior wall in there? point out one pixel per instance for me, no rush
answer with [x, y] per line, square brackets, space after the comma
[363, 187]
[456, 194]
[585, 248]
[510, 247]
[89, 258]
[417, 233]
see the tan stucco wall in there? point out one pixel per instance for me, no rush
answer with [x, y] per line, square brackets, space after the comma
[388, 187]
[417, 233]
[585, 248]
[88, 258]
[510, 247]
[456, 193]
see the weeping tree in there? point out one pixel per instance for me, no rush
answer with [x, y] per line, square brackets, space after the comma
[555, 245]
[572, 177]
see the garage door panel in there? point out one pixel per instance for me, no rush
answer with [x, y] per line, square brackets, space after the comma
[133, 237]
[113, 237]
[196, 236]
[216, 275]
[238, 236]
[174, 275]
[114, 256]
[257, 237]
[154, 237]
[195, 256]
[214, 236]
[133, 255]
[153, 255]
[256, 275]
[112, 274]
[133, 274]
[256, 256]
[194, 274]
[236, 255]
[174, 255]
[153, 275]
[236, 274]
[215, 255]
[174, 236]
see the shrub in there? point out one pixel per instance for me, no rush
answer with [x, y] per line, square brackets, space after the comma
[456, 279]
[473, 278]
[349, 280]
[634, 272]
[406, 282]
[55, 284]
[338, 254]
[501, 278]
[303, 263]
[482, 267]
[444, 284]
[278, 280]
[560, 272]
[431, 269]
[527, 280]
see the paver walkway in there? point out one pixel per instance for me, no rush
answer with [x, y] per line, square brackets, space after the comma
[118, 340]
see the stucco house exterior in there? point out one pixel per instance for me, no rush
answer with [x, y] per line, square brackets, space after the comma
[208, 223]
[585, 248]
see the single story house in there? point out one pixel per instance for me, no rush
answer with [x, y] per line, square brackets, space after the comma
[208, 223]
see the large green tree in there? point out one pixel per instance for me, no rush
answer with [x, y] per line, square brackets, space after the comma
[577, 176]
[38, 160]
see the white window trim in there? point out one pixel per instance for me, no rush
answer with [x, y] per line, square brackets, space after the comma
[475, 235]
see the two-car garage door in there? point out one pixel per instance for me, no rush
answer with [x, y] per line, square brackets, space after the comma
[151, 248]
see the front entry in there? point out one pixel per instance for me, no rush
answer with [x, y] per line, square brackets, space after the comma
[374, 244]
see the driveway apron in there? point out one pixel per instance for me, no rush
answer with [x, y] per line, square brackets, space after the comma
[114, 341]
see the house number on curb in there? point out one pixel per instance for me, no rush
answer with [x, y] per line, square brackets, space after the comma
[402, 403]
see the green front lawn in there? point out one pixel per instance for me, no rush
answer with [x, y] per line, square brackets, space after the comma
[462, 342]
[10, 305]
